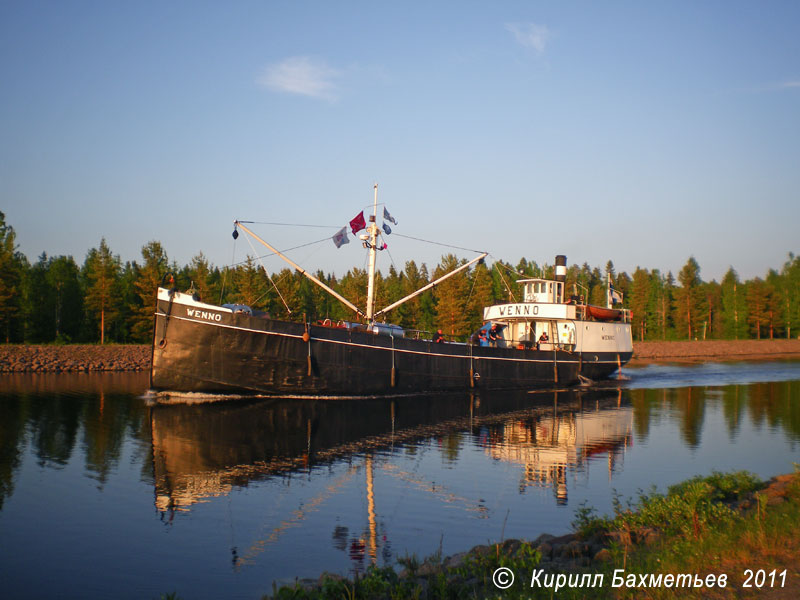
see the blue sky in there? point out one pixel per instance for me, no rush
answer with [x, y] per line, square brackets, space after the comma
[638, 132]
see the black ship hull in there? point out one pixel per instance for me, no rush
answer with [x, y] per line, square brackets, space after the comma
[201, 348]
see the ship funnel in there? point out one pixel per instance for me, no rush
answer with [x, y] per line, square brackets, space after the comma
[561, 267]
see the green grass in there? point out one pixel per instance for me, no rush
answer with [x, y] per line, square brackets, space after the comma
[715, 524]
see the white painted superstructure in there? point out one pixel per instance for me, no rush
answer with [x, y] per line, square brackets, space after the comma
[544, 320]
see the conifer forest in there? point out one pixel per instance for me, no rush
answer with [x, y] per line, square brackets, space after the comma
[101, 300]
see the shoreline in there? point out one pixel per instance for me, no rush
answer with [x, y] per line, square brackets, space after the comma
[723, 524]
[694, 351]
[74, 358]
[85, 358]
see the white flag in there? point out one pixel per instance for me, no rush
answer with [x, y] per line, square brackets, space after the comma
[341, 237]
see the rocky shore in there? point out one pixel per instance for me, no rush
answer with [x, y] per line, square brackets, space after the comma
[15, 358]
[716, 349]
[73, 358]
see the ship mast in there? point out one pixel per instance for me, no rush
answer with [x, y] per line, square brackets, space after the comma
[371, 242]
[372, 230]
[345, 301]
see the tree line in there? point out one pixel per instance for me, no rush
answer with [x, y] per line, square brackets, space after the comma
[103, 300]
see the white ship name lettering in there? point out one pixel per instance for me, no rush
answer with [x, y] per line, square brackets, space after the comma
[209, 316]
[512, 310]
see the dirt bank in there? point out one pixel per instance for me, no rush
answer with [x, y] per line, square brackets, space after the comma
[73, 358]
[715, 349]
[83, 358]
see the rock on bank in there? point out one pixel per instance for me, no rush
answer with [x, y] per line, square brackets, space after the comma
[73, 358]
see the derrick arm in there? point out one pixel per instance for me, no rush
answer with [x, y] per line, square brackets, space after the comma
[431, 284]
[302, 271]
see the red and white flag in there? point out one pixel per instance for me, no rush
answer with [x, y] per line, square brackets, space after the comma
[358, 223]
[341, 237]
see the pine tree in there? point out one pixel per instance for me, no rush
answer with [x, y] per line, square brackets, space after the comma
[285, 303]
[584, 282]
[39, 302]
[640, 300]
[250, 284]
[662, 301]
[101, 271]
[13, 267]
[451, 295]
[791, 282]
[527, 269]
[712, 301]
[148, 277]
[120, 328]
[353, 287]
[411, 312]
[734, 308]
[64, 281]
[571, 283]
[394, 286]
[774, 304]
[610, 269]
[480, 295]
[201, 278]
[622, 283]
[322, 304]
[504, 286]
[598, 294]
[688, 298]
[757, 302]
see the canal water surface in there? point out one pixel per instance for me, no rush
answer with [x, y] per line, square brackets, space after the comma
[104, 494]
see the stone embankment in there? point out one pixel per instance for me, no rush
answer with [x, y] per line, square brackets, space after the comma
[73, 358]
[85, 358]
[716, 350]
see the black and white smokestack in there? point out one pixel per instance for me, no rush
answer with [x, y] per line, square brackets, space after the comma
[561, 267]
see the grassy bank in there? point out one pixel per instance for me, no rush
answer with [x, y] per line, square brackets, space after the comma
[725, 527]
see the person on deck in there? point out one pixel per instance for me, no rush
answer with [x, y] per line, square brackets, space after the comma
[493, 335]
[438, 337]
[543, 339]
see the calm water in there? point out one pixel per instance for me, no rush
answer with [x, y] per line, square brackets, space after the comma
[102, 495]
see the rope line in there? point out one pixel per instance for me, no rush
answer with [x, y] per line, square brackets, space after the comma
[282, 251]
[292, 224]
[499, 272]
[289, 310]
[437, 243]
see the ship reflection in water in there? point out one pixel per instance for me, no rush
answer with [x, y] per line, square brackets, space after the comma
[243, 493]
[547, 446]
[203, 451]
